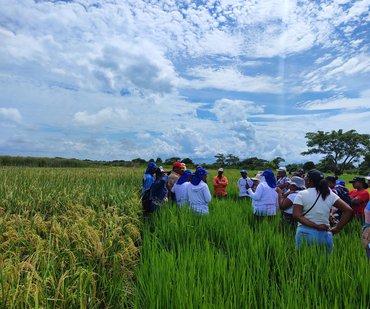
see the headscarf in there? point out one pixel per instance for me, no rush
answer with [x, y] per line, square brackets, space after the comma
[198, 176]
[150, 165]
[184, 177]
[269, 178]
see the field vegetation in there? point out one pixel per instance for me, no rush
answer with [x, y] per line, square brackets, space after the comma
[68, 237]
[75, 238]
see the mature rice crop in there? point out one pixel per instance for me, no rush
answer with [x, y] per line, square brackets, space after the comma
[68, 237]
[229, 260]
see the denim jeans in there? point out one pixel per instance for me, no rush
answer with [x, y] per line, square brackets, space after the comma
[310, 236]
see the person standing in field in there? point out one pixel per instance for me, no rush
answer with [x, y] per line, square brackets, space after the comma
[158, 191]
[311, 209]
[198, 192]
[286, 199]
[359, 197]
[148, 177]
[220, 183]
[265, 198]
[180, 188]
[177, 170]
[282, 179]
[243, 180]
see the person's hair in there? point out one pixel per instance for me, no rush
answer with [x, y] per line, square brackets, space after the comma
[158, 172]
[319, 182]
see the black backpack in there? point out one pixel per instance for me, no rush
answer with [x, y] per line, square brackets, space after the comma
[343, 194]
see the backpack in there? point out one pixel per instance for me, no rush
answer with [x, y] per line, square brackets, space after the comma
[343, 194]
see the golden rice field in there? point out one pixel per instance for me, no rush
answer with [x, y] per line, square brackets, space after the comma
[75, 238]
[69, 238]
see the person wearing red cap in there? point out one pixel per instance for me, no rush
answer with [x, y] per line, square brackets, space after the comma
[177, 170]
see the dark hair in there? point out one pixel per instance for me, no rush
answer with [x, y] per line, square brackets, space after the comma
[331, 178]
[319, 182]
[158, 172]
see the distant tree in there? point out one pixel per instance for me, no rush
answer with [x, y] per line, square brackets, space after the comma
[275, 163]
[138, 160]
[326, 165]
[309, 165]
[232, 160]
[220, 159]
[254, 163]
[170, 161]
[291, 168]
[187, 161]
[340, 148]
[158, 161]
[364, 167]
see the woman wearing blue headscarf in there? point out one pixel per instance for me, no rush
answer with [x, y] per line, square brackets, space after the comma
[180, 188]
[198, 192]
[148, 177]
[265, 197]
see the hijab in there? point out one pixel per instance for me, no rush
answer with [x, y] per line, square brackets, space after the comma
[269, 178]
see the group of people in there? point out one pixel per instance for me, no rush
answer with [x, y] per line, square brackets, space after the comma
[316, 206]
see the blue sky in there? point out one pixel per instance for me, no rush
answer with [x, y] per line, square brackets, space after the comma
[111, 80]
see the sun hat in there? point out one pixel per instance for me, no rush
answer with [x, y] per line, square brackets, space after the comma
[257, 177]
[281, 169]
[220, 169]
[297, 181]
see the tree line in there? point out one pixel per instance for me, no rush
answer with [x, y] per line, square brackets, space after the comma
[340, 150]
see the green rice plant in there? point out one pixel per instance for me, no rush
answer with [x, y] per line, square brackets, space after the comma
[227, 259]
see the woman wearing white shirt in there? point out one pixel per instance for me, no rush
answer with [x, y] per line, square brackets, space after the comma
[180, 188]
[265, 198]
[311, 209]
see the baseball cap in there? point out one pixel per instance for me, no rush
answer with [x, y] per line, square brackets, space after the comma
[341, 183]
[177, 164]
[358, 179]
[281, 169]
[243, 171]
[220, 169]
[200, 171]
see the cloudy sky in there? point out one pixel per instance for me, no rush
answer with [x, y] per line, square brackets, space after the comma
[121, 79]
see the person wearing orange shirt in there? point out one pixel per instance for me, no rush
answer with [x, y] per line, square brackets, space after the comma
[220, 183]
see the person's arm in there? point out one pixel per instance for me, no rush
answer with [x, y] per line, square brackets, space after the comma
[224, 182]
[255, 195]
[207, 194]
[215, 182]
[284, 203]
[356, 202]
[298, 216]
[346, 215]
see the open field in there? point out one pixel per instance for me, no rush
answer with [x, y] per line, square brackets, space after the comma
[74, 238]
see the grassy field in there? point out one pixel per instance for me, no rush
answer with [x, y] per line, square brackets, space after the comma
[75, 238]
[228, 260]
